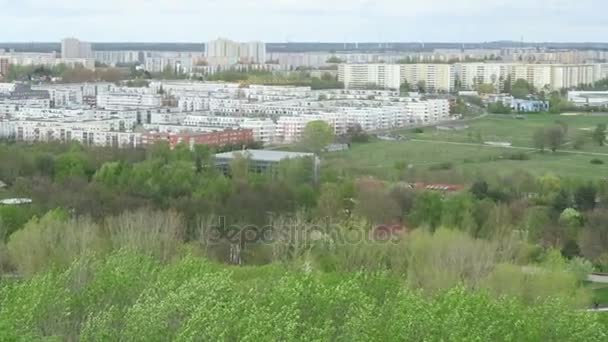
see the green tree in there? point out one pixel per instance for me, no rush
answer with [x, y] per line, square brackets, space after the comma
[427, 210]
[421, 86]
[599, 134]
[540, 139]
[521, 89]
[405, 87]
[499, 108]
[317, 135]
[555, 137]
[585, 197]
[486, 88]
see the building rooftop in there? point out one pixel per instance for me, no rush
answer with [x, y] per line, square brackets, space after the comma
[264, 155]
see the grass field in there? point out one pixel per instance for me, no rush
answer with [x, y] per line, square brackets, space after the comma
[600, 292]
[465, 155]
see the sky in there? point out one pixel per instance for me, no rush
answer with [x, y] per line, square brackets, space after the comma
[304, 20]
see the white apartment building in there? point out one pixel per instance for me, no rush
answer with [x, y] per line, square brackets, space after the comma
[46, 59]
[386, 76]
[226, 52]
[192, 87]
[99, 133]
[264, 93]
[74, 48]
[6, 88]
[120, 101]
[175, 64]
[264, 130]
[119, 57]
[470, 75]
[7, 129]
[436, 77]
[12, 106]
[64, 96]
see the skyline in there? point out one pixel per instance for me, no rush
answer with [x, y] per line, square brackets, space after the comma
[313, 21]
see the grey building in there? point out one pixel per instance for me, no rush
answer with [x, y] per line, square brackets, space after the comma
[264, 160]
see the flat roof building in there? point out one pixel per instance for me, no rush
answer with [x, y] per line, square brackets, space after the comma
[263, 160]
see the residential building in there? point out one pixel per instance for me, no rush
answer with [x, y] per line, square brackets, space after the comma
[434, 77]
[226, 52]
[216, 139]
[387, 76]
[118, 101]
[4, 66]
[74, 48]
[119, 57]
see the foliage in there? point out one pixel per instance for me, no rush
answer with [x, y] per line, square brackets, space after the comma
[132, 297]
[521, 89]
[599, 134]
[317, 135]
[499, 108]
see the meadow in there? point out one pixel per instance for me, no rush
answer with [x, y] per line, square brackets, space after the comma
[431, 153]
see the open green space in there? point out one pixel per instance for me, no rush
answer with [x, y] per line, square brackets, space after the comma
[519, 132]
[432, 153]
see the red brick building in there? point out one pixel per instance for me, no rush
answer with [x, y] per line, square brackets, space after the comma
[220, 138]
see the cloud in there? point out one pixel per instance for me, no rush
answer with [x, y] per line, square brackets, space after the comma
[307, 20]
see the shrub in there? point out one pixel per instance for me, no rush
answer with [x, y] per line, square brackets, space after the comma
[442, 166]
[596, 161]
[518, 156]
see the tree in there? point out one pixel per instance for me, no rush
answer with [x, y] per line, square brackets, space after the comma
[580, 140]
[405, 87]
[561, 201]
[317, 135]
[480, 189]
[499, 108]
[599, 134]
[421, 86]
[585, 197]
[486, 88]
[555, 137]
[427, 209]
[594, 237]
[539, 139]
[521, 89]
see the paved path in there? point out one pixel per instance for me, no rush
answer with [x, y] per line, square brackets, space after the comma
[505, 147]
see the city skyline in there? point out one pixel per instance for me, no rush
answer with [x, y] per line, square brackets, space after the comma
[312, 21]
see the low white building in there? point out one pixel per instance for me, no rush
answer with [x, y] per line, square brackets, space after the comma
[98, 133]
[588, 98]
[121, 101]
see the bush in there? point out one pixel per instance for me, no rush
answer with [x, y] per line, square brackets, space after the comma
[518, 156]
[597, 161]
[442, 166]
[418, 130]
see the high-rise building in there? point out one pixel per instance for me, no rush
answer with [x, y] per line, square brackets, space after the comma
[74, 48]
[4, 66]
[224, 52]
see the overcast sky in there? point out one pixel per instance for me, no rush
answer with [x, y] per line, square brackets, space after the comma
[304, 20]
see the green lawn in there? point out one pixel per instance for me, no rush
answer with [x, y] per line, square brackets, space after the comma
[600, 292]
[507, 128]
[468, 157]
